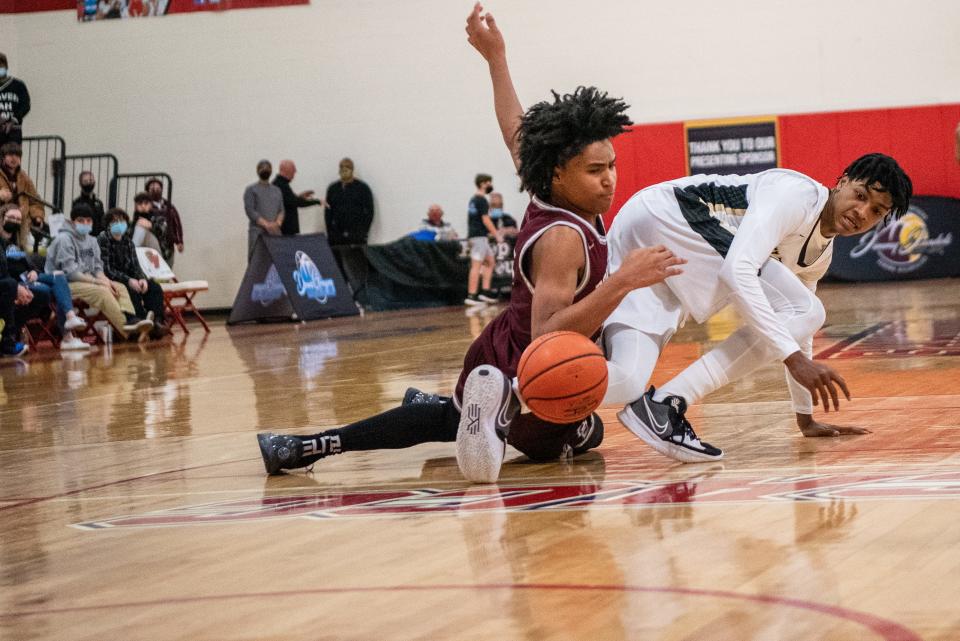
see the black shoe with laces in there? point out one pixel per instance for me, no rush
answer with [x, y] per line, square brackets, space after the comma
[413, 395]
[663, 426]
[279, 452]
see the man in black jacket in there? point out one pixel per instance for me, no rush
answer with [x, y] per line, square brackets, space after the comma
[349, 208]
[14, 104]
[291, 201]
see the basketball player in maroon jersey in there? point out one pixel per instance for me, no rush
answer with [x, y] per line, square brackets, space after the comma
[564, 155]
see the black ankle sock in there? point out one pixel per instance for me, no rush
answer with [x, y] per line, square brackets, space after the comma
[398, 428]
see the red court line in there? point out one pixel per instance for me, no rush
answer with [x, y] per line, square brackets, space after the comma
[41, 499]
[887, 630]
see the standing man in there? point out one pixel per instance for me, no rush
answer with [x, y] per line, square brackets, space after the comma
[14, 105]
[263, 203]
[349, 208]
[479, 226]
[89, 198]
[173, 237]
[291, 201]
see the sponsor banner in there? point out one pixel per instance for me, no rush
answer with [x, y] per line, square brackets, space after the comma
[923, 243]
[733, 146]
[90, 10]
[290, 275]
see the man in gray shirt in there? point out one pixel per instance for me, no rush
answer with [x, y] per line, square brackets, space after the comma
[263, 203]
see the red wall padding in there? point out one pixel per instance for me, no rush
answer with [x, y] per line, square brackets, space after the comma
[820, 145]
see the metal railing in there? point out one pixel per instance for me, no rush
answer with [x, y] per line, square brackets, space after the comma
[43, 162]
[126, 186]
[104, 168]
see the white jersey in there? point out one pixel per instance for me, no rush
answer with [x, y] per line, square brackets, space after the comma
[727, 227]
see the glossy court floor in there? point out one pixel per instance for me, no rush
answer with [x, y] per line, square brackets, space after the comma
[133, 504]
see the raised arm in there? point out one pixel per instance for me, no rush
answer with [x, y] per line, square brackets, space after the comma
[483, 34]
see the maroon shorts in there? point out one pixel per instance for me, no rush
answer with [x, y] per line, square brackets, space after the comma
[535, 437]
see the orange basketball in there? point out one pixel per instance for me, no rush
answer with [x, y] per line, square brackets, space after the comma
[562, 377]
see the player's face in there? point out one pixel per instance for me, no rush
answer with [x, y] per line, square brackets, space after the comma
[585, 185]
[857, 207]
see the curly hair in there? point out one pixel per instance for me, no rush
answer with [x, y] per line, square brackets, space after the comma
[882, 173]
[551, 133]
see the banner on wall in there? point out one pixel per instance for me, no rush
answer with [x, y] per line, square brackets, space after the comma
[90, 10]
[923, 243]
[731, 146]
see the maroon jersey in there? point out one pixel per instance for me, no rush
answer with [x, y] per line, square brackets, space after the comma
[502, 341]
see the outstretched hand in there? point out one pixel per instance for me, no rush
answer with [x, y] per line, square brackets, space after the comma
[649, 265]
[811, 428]
[821, 380]
[484, 35]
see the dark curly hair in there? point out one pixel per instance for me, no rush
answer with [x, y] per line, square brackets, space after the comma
[882, 173]
[551, 133]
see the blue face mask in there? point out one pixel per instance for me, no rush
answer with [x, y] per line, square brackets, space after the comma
[3, 72]
[496, 212]
[83, 229]
[118, 229]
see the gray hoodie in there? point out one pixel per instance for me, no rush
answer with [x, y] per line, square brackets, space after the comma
[73, 254]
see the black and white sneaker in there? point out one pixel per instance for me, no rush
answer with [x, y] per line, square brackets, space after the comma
[413, 395]
[487, 296]
[663, 426]
[489, 405]
[279, 452]
[472, 300]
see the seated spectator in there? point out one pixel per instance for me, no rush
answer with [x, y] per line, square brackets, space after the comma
[120, 264]
[503, 221]
[21, 191]
[172, 232]
[434, 227]
[44, 287]
[145, 224]
[88, 197]
[11, 295]
[77, 254]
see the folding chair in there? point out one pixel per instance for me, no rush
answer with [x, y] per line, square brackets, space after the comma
[40, 329]
[177, 297]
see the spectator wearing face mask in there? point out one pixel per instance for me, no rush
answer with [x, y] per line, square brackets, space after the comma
[77, 254]
[349, 208]
[14, 104]
[120, 264]
[88, 197]
[504, 222]
[17, 187]
[147, 226]
[263, 204]
[172, 239]
[44, 287]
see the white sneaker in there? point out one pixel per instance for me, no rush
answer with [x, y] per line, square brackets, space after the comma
[72, 344]
[74, 323]
[487, 409]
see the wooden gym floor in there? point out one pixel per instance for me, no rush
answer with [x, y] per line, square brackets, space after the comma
[133, 504]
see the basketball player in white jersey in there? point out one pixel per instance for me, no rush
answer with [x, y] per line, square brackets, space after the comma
[759, 242]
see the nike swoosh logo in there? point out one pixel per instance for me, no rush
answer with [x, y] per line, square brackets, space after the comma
[659, 428]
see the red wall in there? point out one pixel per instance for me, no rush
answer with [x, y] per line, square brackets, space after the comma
[819, 145]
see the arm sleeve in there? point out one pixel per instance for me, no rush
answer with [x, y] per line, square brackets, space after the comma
[777, 208]
[108, 262]
[250, 206]
[135, 270]
[800, 395]
[97, 261]
[65, 260]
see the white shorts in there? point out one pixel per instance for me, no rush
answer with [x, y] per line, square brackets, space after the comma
[480, 249]
[652, 217]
